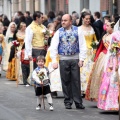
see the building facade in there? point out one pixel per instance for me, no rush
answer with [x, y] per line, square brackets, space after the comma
[10, 7]
[110, 7]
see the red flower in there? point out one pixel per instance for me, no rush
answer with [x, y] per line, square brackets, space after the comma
[15, 43]
[34, 59]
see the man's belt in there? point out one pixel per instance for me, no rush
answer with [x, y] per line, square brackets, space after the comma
[35, 47]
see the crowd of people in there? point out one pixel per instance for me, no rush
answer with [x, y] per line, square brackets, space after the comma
[77, 54]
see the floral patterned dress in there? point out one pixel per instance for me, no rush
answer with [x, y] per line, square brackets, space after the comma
[96, 72]
[88, 63]
[14, 67]
[109, 89]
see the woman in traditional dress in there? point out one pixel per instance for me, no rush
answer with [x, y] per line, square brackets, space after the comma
[14, 64]
[109, 89]
[2, 46]
[96, 73]
[90, 37]
[8, 42]
[55, 79]
[19, 36]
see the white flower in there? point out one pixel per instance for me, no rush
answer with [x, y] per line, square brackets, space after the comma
[51, 31]
[43, 31]
[96, 42]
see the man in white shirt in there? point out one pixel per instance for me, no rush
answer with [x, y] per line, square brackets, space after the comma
[70, 44]
[34, 38]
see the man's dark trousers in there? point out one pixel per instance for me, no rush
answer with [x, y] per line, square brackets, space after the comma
[70, 76]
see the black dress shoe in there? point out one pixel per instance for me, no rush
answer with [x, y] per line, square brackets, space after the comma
[80, 106]
[68, 106]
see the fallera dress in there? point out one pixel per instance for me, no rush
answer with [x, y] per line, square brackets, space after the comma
[88, 63]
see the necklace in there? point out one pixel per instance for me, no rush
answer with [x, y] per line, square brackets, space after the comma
[106, 38]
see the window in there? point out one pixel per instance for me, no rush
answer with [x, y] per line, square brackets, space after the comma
[114, 7]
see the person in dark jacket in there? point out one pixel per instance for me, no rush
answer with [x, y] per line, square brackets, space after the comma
[6, 23]
[98, 24]
[28, 19]
[51, 16]
[75, 16]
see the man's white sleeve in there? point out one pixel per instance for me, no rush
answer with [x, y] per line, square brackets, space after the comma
[35, 77]
[54, 47]
[82, 46]
[28, 40]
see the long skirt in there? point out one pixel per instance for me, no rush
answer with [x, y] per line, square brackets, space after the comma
[55, 79]
[95, 78]
[85, 70]
[109, 89]
[11, 72]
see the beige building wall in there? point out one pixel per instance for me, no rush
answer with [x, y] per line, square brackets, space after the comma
[22, 5]
[37, 5]
[30, 5]
[14, 6]
[42, 6]
[27, 5]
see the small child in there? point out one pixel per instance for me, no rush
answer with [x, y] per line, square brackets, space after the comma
[38, 83]
[2, 46]
[25, 65]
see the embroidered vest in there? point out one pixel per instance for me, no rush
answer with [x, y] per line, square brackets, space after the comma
[69, 43]
[38, 36]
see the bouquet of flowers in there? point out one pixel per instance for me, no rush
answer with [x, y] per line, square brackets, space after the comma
[51, 33]
[41, 75]
[46, 33]
[15, 43]
[115, 45]
[94, 44]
